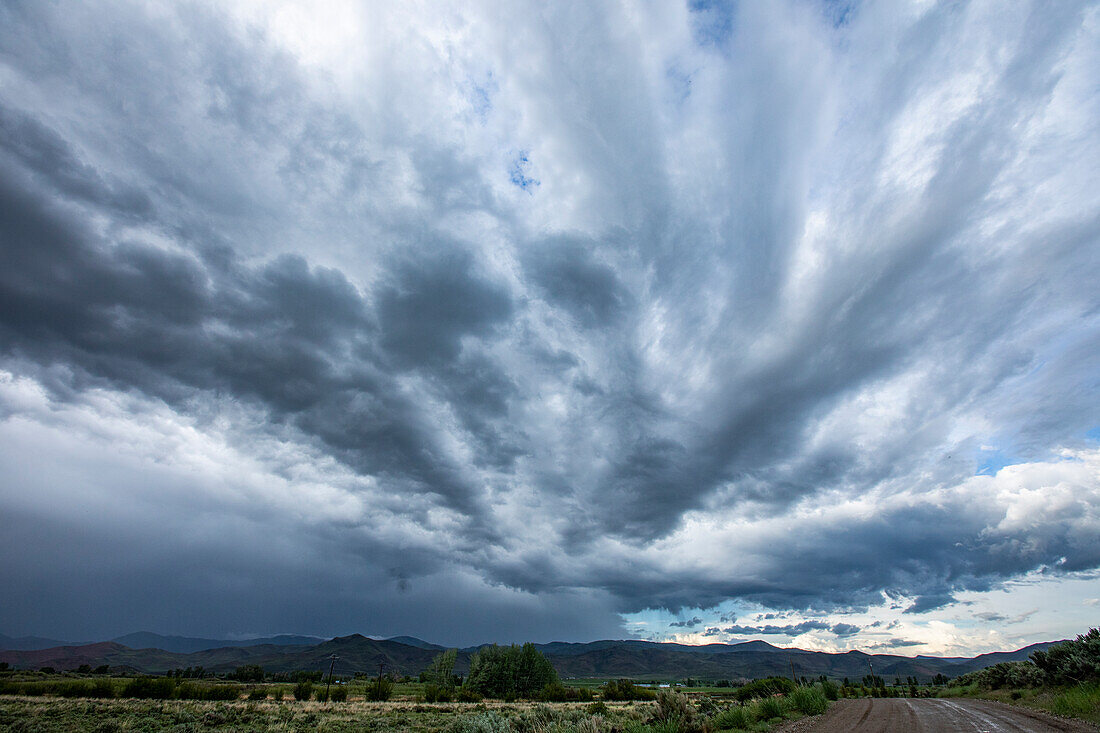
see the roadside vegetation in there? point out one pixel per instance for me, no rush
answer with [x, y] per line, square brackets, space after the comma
[507, 690]
[1064, 679]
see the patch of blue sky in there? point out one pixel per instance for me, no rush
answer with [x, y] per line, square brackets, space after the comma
[991, 459]
[712, 22]
[839, 12]
[658, 624]
[519, 173]
[479, 94]
[1093, 434]
[679, 84]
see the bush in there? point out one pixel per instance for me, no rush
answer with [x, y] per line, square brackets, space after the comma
[83, 688]
[737, 717]
[830, 690]
[1071, 662]
[199, 691]
[765, 688]
[339, 694]
[379, 689]
[465, 694]
[674, 712]
[257, 693]
[598, 708]
[808, 700]
[625, 690]
[770, 708]
[248, 673]
[321, 694]
[150, 688]
[488, 722]
[435, 693]
[303, 690]
[557, 692]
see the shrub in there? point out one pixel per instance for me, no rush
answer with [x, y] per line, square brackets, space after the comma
[321, 694]
[248, 673]
[598, 708]
[829, 689]
[303, 690]
[435, 693]
[199, 691]
[150, 688]
[808, 700]
[626, 690]
[379, 689]
[557, 692]
[488, 722]
[736, 717]
[339, 694]
[465, 694]
[769, 708]
[765, 688]
[257, 693]
[675, 712]
[1071, 662]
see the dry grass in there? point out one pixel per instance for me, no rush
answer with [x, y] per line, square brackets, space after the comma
[49, 714]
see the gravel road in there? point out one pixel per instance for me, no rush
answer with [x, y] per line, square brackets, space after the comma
[894, 715]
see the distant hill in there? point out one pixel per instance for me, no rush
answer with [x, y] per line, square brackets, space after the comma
[418, 643]
[187, 644]
[29, 643]
[630, 658]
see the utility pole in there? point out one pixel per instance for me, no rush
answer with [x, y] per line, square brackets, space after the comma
[872, 668]
[330, 666]
[793, 678]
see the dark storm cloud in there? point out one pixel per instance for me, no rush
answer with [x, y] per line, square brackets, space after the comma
[744, 344]
[435, 302]
[573, 280]
[297, 340]
[785, 630]
[688, 624]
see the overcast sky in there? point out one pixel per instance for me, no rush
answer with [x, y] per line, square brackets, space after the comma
[505, 321]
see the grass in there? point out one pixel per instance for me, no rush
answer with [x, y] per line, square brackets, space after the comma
[1082, 701]
[55, 714]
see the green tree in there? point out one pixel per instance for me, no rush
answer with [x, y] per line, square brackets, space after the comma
[441, 672]
[510, 672]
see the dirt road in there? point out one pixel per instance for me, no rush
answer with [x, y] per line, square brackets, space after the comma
[887, 715]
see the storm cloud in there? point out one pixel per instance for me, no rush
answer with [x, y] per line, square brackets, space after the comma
[506, 322]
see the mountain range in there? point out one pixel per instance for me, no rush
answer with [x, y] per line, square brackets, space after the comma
[409, 655]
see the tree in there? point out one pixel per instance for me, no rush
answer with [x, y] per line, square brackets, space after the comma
[441, 672]
[249, 673]
[510, 672]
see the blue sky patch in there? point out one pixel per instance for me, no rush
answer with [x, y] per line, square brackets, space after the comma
[519, 173]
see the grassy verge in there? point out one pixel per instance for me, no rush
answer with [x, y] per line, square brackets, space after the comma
[1081, 701]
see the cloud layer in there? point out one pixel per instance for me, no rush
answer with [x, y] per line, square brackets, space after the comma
[532, 317]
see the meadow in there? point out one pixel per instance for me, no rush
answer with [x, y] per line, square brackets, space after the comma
[671, 712]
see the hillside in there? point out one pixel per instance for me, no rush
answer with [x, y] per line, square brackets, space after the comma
[631, 658]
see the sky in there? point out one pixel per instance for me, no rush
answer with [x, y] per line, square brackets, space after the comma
[506, 321]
